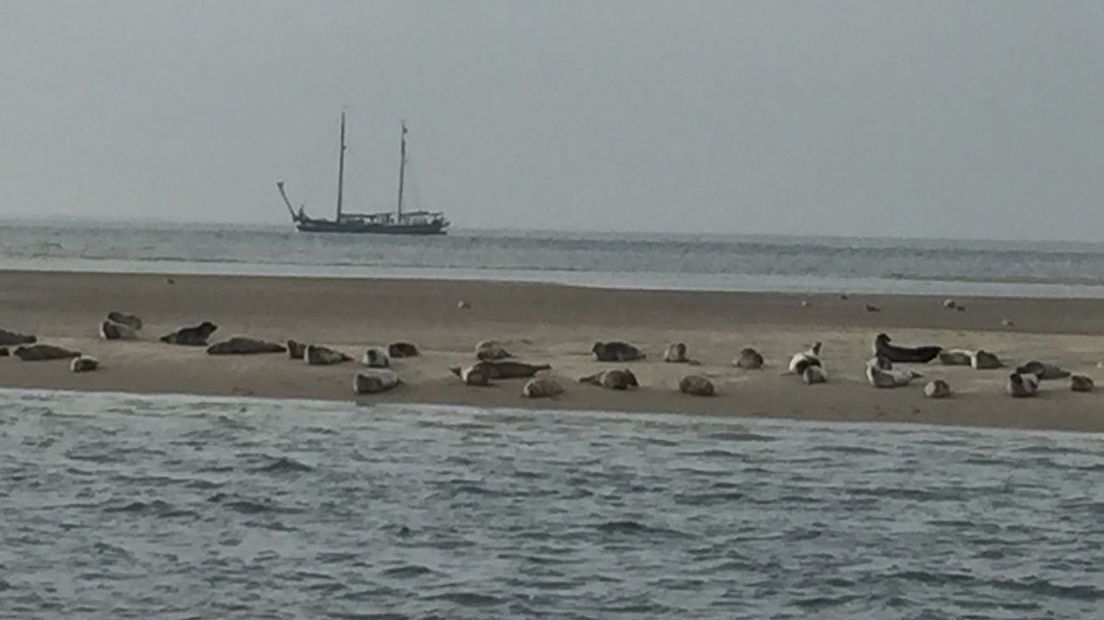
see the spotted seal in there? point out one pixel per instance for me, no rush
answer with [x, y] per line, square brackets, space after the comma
[814, 374]
[906, 355]
[1081, 383]
[375, 380]
[696, 385]
[621, 379]
[110, 330]
[318, 355]
[676, 354]
[748, 359]
[402, 349]
[1045, 372]
[240, 345]
[376, 357]
[503, 369]
[10, 338]
[84, 364]
[544, 387]
[616, 351]
[489, 350]
[880, 374]
[191, 336]
[800, 361]
[43, 352]
[1022, 385]
[984, 360]
[296, 349]
[937, 389]
[956, 357]
[122, 318]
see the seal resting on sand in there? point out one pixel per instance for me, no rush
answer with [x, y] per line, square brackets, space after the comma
[191, 336]
[1021, 386]
[375, 380]
[296, 349]
[1045, 372]
[984, 360]
[8, 338]
[955, 357]
[696, 385]
[1081, 383]
[503, 369]
[402, 349]
[814, 374]
[130, 320]
[376, 357]
[800, 361]
[676, 354]
[110, 330]
[490, 350]
[43, 353]
[748, 359]
[879, 376]
[616, 351]
[83, 364]
[240, 345]
[621, 379]
[937, 389]
[478, 374]
[318, 355]
[543, 387]
[903, 355]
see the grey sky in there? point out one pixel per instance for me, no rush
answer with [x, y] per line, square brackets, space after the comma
[926, 118]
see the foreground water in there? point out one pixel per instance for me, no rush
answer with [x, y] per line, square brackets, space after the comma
[707, 262]
[171, 507]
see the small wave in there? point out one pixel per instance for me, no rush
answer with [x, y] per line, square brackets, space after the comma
[467, 599]
[408, 571]
[282, 465]
[629, 526]
[709, 499]
[847, 450]
[739, 436]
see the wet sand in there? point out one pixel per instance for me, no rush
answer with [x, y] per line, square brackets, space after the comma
[558, 325]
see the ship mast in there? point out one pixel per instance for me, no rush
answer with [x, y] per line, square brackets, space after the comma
[341, 168]
[402, 169]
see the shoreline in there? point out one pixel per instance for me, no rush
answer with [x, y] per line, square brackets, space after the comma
[557, 324]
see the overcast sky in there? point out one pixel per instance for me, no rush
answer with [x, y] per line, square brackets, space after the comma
[925, 118]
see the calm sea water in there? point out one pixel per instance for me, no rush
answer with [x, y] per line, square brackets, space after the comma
[172, 507]
[708, 262]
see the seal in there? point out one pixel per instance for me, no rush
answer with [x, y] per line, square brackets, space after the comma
[318, 355]
[490, 350]
[955, 357]
[9, 338]
[800, 361]
[616, 351]
[544, 387]
[904, 355]
[872, 308]
[880, 374]
[43, 352]
[402, 349]
[376, 357]
[504, 369]
[296, 349]
[1081, 383]
[4, 352]
[191, 336]
[478, 374]
[1045, 372]
[696, 385]
[937, 389]
[676, 354]
[110, 330]
[240, 345]
[122, 318]
[984, 360]
[1022, 386]
[84, 364]
[375, 380]
[622, 379]
[748, 359]
[814, 374]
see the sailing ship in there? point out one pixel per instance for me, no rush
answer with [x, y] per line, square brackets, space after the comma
[387, 222]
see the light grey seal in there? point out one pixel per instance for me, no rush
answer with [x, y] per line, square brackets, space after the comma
[1021, 386]
[376, 357]
[814, 374]
[1081, 383]
[240, 345]
[800, 361]
[402, 349]
[191, 336]
[956, 357]
[749, 359]
[490, 350]
[110, 330]
[696, 385]
[622, 379]
[318, 355]
[616, 351]
[296, 349]
[503, 369]
[130, 320]
[937, 389]
[9, 338]
[1045, 372]
[544, 387]
[984, 360]
[83, 364]
[375, 380]
[43, 352]
[879, 376]
[676, 354]
[950, 304]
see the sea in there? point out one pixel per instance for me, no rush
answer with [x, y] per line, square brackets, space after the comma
[125, 506]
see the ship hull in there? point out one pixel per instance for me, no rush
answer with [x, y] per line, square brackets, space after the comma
[327, 226]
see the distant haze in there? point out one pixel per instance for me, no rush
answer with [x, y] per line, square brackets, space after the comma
[926, 118]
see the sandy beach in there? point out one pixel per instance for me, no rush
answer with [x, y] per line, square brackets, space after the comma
[557, 325]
